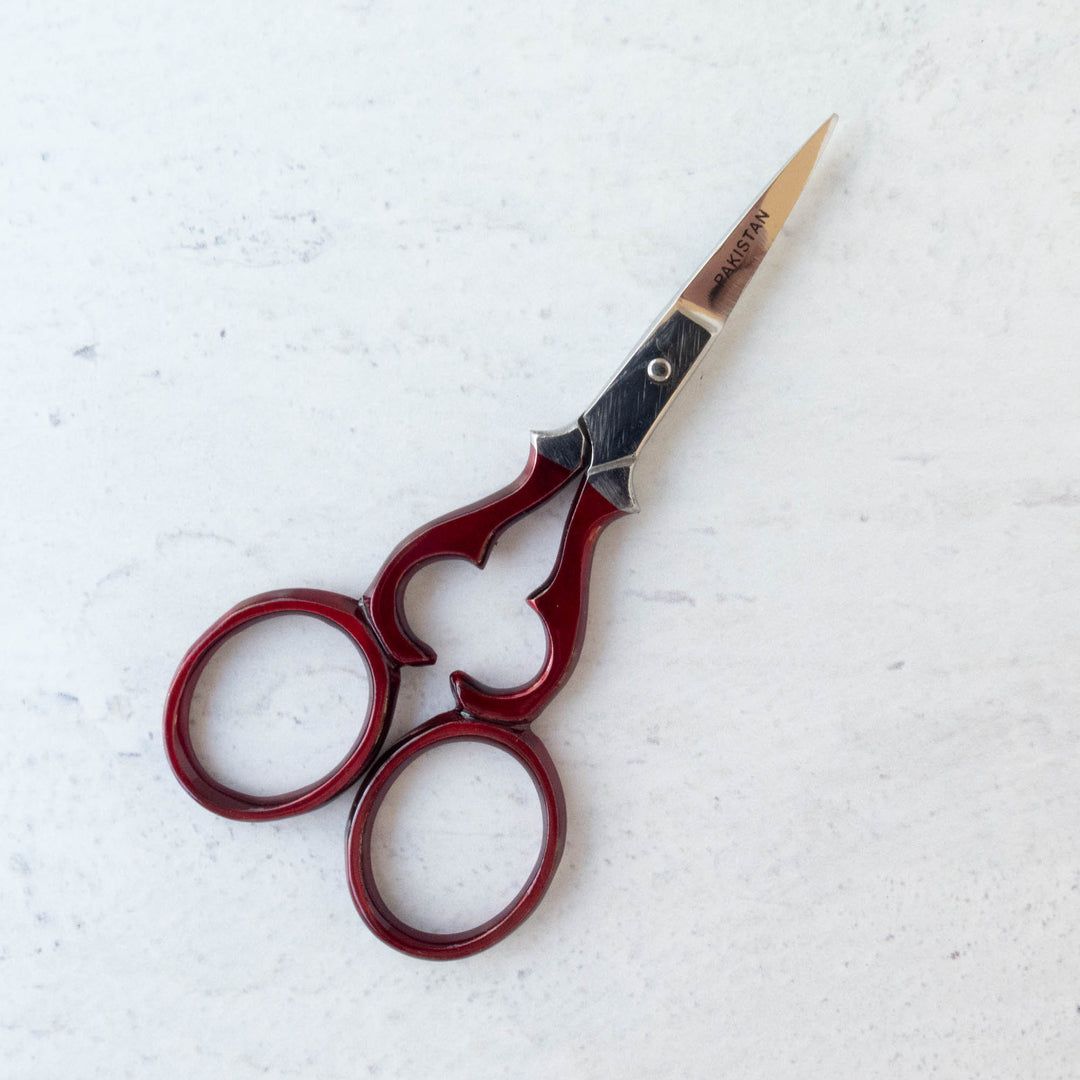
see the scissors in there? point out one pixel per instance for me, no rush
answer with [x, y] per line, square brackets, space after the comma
[598, 451]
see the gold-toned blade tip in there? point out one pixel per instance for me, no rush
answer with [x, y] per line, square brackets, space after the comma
[803, 162]
[720, 282]
[826, 130]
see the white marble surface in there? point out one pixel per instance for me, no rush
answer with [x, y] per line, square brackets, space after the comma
[280, 282]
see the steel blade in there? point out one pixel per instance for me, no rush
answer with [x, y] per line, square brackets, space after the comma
[717, 286]
[628, 409]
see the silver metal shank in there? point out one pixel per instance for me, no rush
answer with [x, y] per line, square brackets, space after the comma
[630, 406]
[565, 446]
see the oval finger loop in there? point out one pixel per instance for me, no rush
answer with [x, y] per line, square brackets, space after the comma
[531, 754]
[339, 611]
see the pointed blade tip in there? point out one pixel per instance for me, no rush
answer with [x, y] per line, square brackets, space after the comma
[828, 127]
[820, 138]
[710, 290]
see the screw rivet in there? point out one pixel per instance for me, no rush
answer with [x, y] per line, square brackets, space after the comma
[659, 370]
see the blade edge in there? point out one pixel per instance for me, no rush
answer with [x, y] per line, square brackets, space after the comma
[716, 287]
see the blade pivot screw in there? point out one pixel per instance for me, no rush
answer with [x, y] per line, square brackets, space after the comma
[659, 370]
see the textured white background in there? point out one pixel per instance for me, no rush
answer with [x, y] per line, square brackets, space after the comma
[279, 282]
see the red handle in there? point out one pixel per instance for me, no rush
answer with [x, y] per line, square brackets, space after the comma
[468, 533]
[562, 604]
[453, 727]
[340, 611]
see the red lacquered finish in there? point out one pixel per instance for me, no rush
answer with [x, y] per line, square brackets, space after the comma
[340, 611]
[453, 727]
[465, 534]
[378, 628]
[562, 604]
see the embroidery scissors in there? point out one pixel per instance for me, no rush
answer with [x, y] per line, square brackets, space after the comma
[598, 451]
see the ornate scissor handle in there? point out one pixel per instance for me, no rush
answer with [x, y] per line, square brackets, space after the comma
[378, 629]
[468, 533]
[342, 612]
[561, 601]
[529, 751]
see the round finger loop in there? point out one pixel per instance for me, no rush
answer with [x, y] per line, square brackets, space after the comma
[453, 727]
[342, 613]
